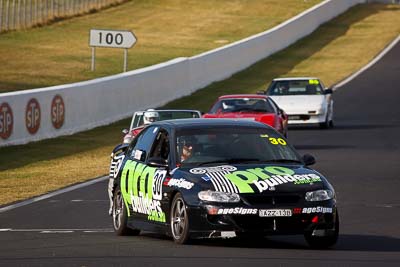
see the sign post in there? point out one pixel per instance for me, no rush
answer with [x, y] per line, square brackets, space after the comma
[111, 38]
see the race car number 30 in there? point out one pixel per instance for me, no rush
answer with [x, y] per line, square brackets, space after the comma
[275, 213]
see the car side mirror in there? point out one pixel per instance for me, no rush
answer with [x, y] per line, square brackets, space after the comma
[328, 91]
[261, 92]
[125, 131]
[138, 154]
[308, 159]
[157, 162]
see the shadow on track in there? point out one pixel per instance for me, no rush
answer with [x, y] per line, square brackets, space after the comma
[368, 243]
[346, 242]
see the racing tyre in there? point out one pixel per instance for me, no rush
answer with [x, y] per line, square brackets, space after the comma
[120, 215]
[179, 220]
[323, 242]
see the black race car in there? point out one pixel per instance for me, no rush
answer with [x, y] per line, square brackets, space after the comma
[195, 178]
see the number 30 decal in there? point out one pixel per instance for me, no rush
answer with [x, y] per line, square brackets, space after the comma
[277, 141]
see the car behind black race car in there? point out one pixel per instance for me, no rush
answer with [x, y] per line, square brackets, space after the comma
[195, 178]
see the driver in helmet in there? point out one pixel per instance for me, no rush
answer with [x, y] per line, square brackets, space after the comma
[186, 144]
[150, 116]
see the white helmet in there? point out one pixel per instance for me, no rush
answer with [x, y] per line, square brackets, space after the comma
[150, 116]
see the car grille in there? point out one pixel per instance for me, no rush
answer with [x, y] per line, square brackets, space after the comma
[284, 199]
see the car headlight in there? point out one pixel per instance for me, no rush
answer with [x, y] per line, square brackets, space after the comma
[214, 196]
[320, 195]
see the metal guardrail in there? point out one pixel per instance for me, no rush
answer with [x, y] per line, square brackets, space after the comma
[24, 14]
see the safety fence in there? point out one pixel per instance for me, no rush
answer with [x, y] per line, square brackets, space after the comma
[23, 14]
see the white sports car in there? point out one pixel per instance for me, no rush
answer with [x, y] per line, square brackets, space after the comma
[306, 100]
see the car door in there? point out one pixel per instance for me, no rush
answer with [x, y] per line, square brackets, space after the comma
[141, 182]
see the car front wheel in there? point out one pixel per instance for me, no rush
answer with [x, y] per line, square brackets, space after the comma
[179, 220]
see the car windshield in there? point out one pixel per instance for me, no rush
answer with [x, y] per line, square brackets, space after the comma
[250, 105]
[174, 114]
[232, 145]
[295, 87]
[166, 115]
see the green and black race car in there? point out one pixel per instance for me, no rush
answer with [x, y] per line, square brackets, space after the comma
[196, 178]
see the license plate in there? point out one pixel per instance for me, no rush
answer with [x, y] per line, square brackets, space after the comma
[275, 213]
[294, 117]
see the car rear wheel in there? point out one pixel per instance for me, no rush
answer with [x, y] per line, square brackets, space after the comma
[179, 220]
[323, 242]
[120, 216]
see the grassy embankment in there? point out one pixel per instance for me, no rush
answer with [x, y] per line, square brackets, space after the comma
[166, 29]
[332, 52]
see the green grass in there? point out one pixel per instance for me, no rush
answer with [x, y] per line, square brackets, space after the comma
[166, 29]
[334, 51]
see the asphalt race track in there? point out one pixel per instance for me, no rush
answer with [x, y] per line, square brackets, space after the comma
[360, 156]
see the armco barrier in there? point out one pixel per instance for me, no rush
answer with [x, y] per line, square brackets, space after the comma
[38, 114]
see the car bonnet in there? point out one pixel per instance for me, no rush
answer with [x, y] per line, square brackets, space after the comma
[249, 178]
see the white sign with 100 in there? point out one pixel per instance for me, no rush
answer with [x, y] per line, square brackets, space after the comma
[111, 38]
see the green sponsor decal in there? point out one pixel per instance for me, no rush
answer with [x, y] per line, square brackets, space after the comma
[137, 174]
[126, 179]
[157, 216]
[279, 170]
[147, 175]
[308, 181]
[137, 182]
[259, 172]
[243, 179]
[261, 179]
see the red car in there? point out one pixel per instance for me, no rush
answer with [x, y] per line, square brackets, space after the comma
[251, 107]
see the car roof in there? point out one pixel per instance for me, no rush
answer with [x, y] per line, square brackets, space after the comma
[295, 78]
[242, 96]
[209, 123]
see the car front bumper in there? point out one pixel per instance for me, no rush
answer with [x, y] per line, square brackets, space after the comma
[203, 224]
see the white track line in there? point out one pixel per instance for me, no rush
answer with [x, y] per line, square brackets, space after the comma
[52, 194]
[370, 64]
